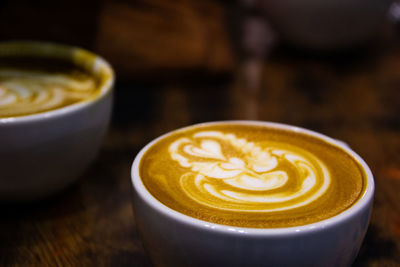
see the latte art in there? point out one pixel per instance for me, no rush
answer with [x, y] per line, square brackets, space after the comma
[28, 91]
[262, 179]
[251, 175]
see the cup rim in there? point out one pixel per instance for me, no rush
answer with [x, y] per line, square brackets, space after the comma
[347, 214]
[40, 47]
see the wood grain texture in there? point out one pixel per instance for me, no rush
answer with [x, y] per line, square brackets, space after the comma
[354, 97]
[158, 36]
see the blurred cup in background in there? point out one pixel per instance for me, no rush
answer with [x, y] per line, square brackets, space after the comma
[326, 24]
[55, 107]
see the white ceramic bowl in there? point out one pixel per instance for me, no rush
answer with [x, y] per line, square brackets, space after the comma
[174, 239]
[326, 24]
[44, 152]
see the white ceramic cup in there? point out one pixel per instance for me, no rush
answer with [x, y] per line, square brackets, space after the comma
[326, 24]
[44, 152]
[174, 239]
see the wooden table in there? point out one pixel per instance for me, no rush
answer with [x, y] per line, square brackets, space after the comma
[353, 96]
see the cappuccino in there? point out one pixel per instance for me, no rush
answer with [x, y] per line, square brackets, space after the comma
[35, 85]
[250, 175]
[55, 107]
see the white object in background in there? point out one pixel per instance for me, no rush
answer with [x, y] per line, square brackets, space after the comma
[326, 24]
[42, 153]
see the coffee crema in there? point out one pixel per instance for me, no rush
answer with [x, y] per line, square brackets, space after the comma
[32, 86]
[251, 175]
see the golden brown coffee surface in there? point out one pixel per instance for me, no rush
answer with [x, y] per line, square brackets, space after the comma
[251, 176]
[29, 86]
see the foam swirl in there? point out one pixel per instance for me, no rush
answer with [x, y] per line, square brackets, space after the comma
[27, 91]
[231, 173]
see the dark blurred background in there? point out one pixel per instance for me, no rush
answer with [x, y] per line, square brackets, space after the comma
[137, 37]
[146, 38]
